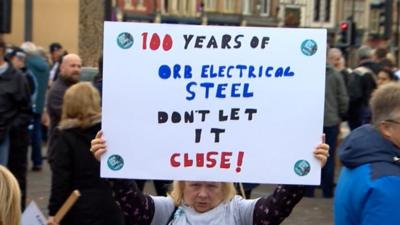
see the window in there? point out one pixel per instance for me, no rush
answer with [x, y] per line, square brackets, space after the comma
[128, 5]
[210, 5]
[322, 10]
[247, 7]
[229, 5]
[264, 8]
[140, 5]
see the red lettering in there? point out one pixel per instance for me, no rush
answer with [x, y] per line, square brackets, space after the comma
[173, 161]
[167, 42]
[200, 159]
[186, 161]
[225, 160]
[154, 42]
[211, 160]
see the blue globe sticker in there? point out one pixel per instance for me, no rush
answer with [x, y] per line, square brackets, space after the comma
[125, 40]
[302, 167]
[309, 47]
[115, 162]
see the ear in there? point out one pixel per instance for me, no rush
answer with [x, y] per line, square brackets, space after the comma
[385, 129]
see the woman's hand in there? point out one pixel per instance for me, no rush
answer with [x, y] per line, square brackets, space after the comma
[321, 152]
[98, 145]
[51, 221]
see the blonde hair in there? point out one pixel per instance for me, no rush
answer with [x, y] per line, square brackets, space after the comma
[81, 106]
[10, 198]
[178, 186]
[385, 102]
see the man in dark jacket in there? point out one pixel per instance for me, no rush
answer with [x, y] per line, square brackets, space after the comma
[15, 103]
[368, 188]
[19, 135]
[361, 85]
[70, 70]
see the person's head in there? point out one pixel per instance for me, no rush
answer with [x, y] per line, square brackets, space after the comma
[81, 106]
[201, 196]
[385, 107]
[364, 53]
[17, 58]
[380, 53]
[70, 68]
[10, 198]
[385, 76]
[334, 57]
[29, 47]
[56, 51]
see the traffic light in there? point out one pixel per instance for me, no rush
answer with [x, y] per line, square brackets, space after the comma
[345, 33]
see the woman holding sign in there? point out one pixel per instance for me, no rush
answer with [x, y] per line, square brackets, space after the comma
[208, 203]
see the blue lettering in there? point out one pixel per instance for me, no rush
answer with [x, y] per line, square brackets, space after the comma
[246, 92]
[164, 72]
[177, 67]
[221, 71]
[207, 87]
[188, 72]
[204, 70]
[192, 94]
[251, 72]
[279, 72]
[241, 68]
[228, 73]
[267, 72]
[220, 90]
[235, 89]
[288, 73]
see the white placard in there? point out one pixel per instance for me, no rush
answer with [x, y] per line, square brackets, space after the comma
[33, 216]
[213, 103]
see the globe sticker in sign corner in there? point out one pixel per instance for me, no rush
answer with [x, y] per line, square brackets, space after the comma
[125, 40]
[115, 162]
[309, 47]
[302, 167]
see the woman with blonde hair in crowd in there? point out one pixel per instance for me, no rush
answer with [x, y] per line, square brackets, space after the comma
[74, 167]
[10, 198]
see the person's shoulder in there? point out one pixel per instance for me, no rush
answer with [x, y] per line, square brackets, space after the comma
[385, 171]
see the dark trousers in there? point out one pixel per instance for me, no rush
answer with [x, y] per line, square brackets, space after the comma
[18, 158]
[36, 140]
[328, 172]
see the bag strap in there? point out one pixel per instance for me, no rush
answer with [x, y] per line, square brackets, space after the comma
[171, 217]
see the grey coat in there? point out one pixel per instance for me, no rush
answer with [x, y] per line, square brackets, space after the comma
[336, 98]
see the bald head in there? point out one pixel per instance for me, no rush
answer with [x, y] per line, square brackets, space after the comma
[70, 68]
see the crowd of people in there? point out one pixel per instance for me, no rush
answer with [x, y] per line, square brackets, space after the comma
[38, 91]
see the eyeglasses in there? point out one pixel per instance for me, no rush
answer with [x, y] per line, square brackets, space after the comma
[392, 121]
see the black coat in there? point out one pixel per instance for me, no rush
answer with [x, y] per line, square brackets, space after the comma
[15, 101]
[74, 167]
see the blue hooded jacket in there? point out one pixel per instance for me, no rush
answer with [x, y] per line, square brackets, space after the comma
[368, 190]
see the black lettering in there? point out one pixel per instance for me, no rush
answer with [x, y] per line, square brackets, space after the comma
[187, 38]
[217, 131]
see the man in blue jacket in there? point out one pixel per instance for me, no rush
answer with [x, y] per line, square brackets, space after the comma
[368, 190]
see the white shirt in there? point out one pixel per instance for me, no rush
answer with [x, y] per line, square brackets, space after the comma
[238, 211]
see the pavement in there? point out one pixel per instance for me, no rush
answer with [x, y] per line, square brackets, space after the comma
[309, 211]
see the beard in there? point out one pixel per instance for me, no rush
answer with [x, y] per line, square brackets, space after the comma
[71, 79]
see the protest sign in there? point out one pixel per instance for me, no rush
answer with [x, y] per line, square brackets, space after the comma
[213, 103]
[33, 216]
